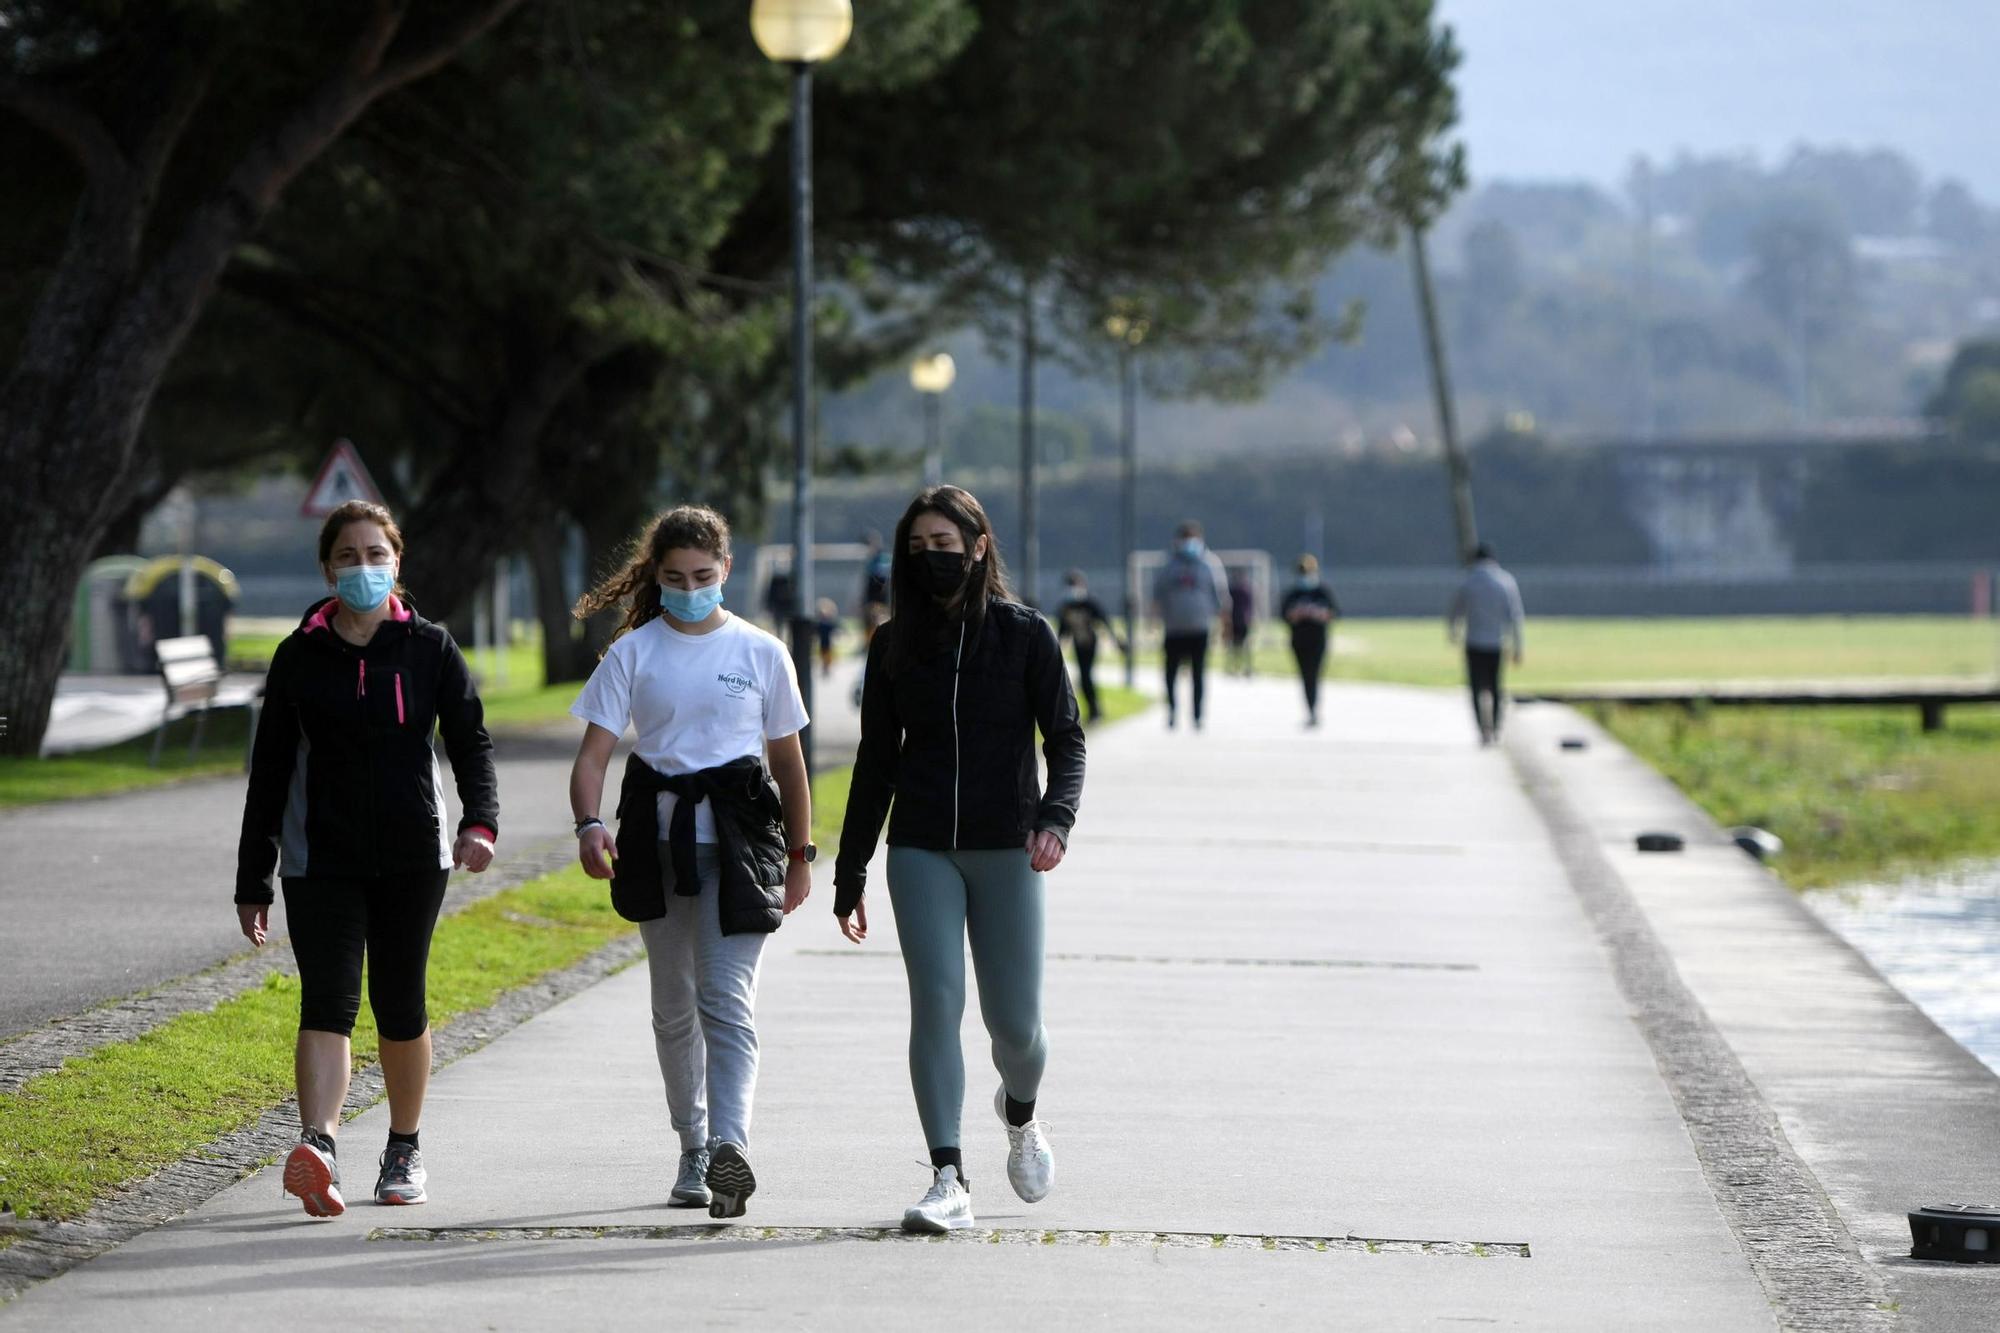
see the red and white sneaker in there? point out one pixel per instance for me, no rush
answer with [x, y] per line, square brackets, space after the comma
[314, 1177]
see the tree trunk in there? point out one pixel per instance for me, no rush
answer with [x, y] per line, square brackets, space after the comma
[566, 653]
[478, 507]
[35, 619]
[107, 326]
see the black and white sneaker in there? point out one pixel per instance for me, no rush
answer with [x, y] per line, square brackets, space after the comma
[403, 1176]
[730, 1181]
[691, 1183]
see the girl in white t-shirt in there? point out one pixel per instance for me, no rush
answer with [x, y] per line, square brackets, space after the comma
[702, 688]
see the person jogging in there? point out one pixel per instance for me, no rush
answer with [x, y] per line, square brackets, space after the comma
[708, 858]
[1190, 594]
[346, 805]
[1309, 608]
[959, 680]
[1487, 609]
[1077, 621]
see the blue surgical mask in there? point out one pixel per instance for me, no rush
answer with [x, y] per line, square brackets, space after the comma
[1308, 580]
[691, 606]
[362, 588]
[1191, 547]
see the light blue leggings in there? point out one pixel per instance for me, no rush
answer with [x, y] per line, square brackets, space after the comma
[941, 900]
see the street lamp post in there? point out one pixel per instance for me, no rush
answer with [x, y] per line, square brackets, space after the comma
[801, 34]
[931, 376]
[1129, 331]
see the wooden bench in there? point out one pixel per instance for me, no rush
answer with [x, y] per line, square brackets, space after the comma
[193, 678]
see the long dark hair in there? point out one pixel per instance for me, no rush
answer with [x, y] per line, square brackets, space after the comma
[635, 585]
[919, 622]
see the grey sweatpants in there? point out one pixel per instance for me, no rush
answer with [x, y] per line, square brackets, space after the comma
[704, 998]
[993, 899]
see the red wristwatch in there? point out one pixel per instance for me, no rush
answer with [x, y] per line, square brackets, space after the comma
[805, 855]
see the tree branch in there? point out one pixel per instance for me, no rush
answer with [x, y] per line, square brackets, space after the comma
[426, 58]
[71, 125]
[399, 363]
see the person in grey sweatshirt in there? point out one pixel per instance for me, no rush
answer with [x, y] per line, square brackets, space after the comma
[1487, 613]
[1190, 594]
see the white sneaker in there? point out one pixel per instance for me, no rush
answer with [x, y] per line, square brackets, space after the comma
[947, 1207]
[1031, 1162]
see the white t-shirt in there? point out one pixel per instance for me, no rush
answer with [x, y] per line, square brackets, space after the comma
[695, 700]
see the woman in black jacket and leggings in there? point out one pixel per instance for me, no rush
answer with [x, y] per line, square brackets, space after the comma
[958, 682]
[346, 804]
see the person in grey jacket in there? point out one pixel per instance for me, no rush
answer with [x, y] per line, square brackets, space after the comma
[1190, 594]
[1487, 613]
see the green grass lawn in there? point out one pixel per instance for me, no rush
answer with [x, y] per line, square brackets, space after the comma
[105, 1119]
[1574, 652]
[24, 781]
[1856, 793]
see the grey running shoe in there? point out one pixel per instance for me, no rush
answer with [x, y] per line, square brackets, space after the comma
[313, 1176]
[691, 1185]
[403, 1175]
[730, 1182]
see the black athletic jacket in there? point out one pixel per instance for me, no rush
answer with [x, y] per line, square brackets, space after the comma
[343, 779]
[749, 821]
[951, 739]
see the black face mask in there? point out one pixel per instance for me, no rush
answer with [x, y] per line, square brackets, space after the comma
[941, 572]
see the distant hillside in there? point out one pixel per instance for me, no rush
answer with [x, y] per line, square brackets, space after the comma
[1708, 296]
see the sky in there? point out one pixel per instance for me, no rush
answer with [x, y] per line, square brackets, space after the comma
[1568, 89]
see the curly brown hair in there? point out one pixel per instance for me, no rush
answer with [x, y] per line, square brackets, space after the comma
[636, 585]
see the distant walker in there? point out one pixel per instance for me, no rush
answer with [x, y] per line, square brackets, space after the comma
[1487, 613]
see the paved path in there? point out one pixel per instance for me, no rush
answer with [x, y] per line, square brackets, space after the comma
[1301, 985]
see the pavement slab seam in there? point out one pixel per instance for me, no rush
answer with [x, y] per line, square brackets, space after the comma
[1802, 1253]
[1189, 960]
[45, 1250]
[1105, 1239]
[43, 1050]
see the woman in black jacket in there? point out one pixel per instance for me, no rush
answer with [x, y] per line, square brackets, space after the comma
[346, 805]
[957, 683]
[1309, 608]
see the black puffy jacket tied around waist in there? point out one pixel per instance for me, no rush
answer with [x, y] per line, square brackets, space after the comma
[343, 779]
[950, 739]
[750, 827]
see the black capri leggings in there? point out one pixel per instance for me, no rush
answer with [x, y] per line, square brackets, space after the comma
[389, 918]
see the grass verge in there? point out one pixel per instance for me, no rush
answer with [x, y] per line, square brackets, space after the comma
[1856, 793]
[1573, 652]
[122, 1112]
[26, 781]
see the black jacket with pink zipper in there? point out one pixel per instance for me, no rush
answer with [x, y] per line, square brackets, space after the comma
[344, 780]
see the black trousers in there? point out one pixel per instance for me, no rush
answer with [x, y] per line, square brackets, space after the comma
[1309, 648]
[1482, 669]
[1190, 650]
[388, 919]
[1086, 666]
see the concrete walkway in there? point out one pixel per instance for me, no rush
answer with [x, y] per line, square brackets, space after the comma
[1316, 985]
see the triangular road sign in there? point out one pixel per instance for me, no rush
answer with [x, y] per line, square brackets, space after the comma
[342, 477]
